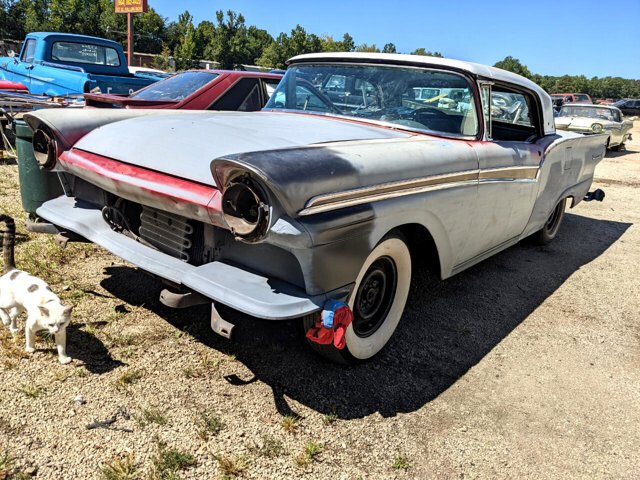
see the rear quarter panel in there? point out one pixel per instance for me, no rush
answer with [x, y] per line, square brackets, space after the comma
[567, 169]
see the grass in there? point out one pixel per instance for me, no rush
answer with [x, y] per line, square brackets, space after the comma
[152, 415]
[7, 463]
[31, 390]
[210, 426]
[169, 461]
[120, 469]
[289, 423]
[401, 462]
[330, 418]
[310, 453]
[271, 447]
[128, 377]
[231, 467]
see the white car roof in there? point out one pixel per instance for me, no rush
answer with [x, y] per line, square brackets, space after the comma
[491, 73]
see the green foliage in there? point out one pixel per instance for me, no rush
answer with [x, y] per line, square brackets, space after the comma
[513, 65]
[231, 42]
[607, 87]
[423, 51]
[367, 48]
[389, 48]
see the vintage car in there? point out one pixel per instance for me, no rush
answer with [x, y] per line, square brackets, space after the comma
[281, 213]
[197, 90]
[571, 98]
[589, 119]
[628, 106]
[61, 64]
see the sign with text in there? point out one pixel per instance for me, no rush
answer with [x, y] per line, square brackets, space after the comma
[131, 6]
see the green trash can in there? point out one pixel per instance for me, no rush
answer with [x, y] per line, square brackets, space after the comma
[36, 185]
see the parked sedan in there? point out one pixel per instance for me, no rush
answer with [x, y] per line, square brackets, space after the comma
[628, 106]
[589, 119]
[318, 210]
[198, 90]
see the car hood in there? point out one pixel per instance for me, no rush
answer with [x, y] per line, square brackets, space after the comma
[184, 145]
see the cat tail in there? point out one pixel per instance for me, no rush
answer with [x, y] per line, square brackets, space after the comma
[7, 242]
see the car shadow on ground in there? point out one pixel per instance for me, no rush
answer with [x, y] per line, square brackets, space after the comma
[447, 328]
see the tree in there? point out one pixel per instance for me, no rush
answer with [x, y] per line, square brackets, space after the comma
[276, 54]
[257, 41]
[422, 51]
[513, 65]
[230, 46]
[185, 51]
[389, 48]
[367, 48]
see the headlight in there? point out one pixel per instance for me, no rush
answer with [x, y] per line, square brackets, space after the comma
[45, 149]
[596, 127]
[244, 208]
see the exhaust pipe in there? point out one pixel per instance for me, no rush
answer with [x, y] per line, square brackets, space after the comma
[597, 195]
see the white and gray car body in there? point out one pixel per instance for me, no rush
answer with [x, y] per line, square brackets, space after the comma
[323, 184]
[589, 119]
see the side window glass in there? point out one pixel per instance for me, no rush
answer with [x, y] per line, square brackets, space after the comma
[243, 95]
[510, 107]
[251, 103]
[29, 51]
[270, 87]
[308, 100]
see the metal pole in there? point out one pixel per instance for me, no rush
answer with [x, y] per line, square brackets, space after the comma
[130, 38]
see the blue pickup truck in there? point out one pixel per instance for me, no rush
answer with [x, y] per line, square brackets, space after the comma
[59, 64]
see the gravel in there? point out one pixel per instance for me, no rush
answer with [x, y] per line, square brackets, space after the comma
[526, 365]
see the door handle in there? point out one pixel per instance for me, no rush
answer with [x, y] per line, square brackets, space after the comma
[29, 67]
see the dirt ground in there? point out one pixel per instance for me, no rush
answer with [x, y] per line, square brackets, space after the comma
[525, 366]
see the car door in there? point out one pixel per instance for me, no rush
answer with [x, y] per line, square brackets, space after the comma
[22, 69]
[508, 168]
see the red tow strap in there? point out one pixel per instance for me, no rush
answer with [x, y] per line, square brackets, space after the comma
[331, 325]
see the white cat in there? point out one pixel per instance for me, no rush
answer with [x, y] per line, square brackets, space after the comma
[22, 292]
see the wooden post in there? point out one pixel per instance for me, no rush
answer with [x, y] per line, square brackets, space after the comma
[130, 58]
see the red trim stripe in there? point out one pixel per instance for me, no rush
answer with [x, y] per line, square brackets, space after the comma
[156, 183]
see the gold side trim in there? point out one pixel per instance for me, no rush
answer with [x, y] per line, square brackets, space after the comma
[384, 191]
[391, 187]
[511, 173]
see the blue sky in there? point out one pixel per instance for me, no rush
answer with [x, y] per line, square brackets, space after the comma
[550, 37]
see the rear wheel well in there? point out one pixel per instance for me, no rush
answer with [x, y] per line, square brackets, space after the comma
[424, 252]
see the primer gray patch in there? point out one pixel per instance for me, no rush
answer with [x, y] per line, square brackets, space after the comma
[15, 274]
[32, 288]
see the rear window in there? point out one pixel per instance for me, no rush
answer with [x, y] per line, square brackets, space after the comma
[84, 53]
[175, 88]
[582, 98]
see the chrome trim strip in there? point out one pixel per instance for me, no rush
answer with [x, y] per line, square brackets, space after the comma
[383, 196]
[385, 191]
[391, 187]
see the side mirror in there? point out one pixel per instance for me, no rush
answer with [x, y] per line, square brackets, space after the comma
[11, 53]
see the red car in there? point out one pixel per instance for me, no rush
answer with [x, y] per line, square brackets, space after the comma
[571, 97]
[13, 87]
[197, 90]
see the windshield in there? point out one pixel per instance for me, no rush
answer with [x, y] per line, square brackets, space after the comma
[589, 112]
[175, 88]
[417, 98]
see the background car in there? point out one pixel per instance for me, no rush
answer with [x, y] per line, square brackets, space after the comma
[572, 97]
[628, 106]
[198, 90]
[594, 119]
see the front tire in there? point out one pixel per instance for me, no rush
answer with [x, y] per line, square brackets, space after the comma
[378, 300]
[547, 233]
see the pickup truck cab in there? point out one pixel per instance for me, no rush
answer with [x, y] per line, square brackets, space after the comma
[59, 64]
